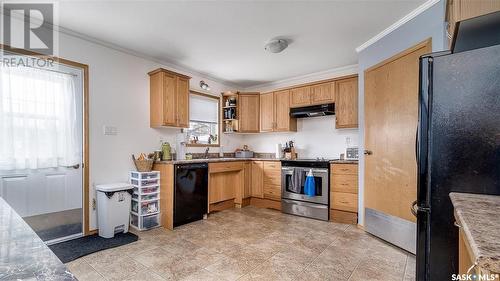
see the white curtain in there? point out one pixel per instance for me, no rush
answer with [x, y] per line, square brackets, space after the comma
[38, 119]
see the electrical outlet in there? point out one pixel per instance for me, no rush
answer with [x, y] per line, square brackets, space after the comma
[110, 130]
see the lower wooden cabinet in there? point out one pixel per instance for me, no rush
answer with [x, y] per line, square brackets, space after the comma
[226, 180]
[256, 189]
[272, 180]
[344, 193]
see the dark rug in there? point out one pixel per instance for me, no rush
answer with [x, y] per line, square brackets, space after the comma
[77, 248]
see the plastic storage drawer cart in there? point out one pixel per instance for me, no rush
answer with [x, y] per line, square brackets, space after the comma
[145, 211]
[113, 208]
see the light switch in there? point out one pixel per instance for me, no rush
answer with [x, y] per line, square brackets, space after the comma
[110, 130]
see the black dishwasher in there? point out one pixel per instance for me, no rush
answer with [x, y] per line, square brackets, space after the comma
[191, 192]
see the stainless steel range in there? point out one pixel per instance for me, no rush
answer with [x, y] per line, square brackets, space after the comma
[293, 196]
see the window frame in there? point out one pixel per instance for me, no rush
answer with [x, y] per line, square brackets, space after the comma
[218, 98]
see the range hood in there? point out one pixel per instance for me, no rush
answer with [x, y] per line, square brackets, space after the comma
[313, 111]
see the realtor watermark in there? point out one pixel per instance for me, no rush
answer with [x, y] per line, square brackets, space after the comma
[28, 29]
[475, 277]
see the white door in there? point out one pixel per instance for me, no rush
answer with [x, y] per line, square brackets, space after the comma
[41, 146]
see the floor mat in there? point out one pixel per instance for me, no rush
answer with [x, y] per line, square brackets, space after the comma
[73, 249]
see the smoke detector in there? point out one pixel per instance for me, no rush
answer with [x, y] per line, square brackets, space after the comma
[276, 46]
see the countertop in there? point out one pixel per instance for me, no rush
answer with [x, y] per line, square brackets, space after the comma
[23, 255]
[478, 216]
[228, 159]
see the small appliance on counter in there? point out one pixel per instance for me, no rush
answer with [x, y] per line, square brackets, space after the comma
[351, 153]
[243, 153]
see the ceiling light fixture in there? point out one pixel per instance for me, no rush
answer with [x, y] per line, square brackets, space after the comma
[204, 85]
[276, 46]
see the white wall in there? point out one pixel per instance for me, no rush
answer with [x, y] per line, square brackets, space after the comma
[315, 137]
[428, 24]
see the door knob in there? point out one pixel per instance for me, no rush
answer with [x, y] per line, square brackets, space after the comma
[368, 152]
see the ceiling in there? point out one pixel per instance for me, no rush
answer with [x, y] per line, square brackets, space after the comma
[225, 40]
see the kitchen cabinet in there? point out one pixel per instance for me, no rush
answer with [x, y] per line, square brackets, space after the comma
[247, 167]
[249, 112]
[300, 96]
[346, 103]
[344, 193]
[267, 112]
[169, 99]
[272, 180]
[323, 93]
[225, 180]
[257, 179]
[275, 112]
[458, 10]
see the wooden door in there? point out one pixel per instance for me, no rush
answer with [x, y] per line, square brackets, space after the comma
[249, 113]
[391, 116]
[257, 179]
[182, 102]
[267, 112]
[169, 98]
[346, 103]
[283, 122]
[323, 93]
[300, 96]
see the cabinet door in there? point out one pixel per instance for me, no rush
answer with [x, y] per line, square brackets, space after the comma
[346, 103]
[248, 179]
[323, 93]
[182, 102]
[257, 179]
[300, 96]
[249, 113]
[169, 100]
[267, 112]
[283, 122]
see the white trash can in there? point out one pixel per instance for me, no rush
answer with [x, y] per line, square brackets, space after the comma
[113, 208]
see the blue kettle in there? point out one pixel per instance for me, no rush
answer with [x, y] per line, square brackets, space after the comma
[310, 185]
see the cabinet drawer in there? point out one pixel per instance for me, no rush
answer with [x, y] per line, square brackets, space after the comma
[272, 165]
[272, 191]
[272, 177]
[345, 169]
[225, 167]
[344, 201]
[344, 183]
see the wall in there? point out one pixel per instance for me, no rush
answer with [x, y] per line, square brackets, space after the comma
[429, 23]
[119, 96]
[315, 137]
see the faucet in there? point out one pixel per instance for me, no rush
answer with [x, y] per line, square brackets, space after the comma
[206, 152]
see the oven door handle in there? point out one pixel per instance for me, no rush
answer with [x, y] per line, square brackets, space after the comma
[308, 204]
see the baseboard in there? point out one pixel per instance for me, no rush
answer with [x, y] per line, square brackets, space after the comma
[343, 217]
[265, 203]
[219, 206]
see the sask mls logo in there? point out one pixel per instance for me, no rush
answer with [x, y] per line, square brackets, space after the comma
[29, 26]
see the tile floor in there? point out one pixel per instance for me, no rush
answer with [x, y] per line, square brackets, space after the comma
[250, 244]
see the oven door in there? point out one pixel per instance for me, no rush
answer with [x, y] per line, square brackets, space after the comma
[320, 180]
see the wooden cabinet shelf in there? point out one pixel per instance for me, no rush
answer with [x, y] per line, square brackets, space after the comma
[169, 99]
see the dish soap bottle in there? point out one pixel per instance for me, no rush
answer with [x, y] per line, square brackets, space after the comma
[310, 185]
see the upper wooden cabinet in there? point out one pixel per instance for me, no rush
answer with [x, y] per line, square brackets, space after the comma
[346, 103]
[458, 10]
[300, 96]
[249, 112]
[323, 93]
[169, 99]
[275, 112]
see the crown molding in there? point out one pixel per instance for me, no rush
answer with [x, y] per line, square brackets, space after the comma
[420, 9]
[168, 64]
[312, 77]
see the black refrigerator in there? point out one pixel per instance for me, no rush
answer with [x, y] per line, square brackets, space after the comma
[458, 148]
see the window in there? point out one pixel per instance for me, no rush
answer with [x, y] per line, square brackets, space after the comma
[37, 119]
[203, 120]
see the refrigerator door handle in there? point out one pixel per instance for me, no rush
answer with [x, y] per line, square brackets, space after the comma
[416, 144]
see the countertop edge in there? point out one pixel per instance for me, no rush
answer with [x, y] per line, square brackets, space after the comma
[214, 160]
[489, 263]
